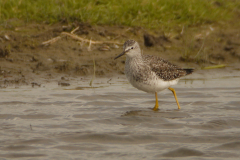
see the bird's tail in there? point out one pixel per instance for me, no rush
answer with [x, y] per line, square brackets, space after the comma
[189, 71]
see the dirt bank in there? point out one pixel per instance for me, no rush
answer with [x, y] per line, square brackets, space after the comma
[23, 57]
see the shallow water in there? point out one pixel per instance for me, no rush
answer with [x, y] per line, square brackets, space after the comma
[113, 120]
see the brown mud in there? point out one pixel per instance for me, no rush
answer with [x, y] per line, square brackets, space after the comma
[23, 57]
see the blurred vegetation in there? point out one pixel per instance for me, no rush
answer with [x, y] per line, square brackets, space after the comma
[146, 13]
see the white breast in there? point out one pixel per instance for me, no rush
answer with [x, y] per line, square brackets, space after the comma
[153, 85]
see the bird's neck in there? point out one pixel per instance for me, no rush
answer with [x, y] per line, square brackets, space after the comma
[134, 63]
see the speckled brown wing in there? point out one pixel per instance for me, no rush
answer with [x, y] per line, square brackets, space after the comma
[164, 69]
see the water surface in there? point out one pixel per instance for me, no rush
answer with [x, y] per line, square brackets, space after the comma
[113, 120]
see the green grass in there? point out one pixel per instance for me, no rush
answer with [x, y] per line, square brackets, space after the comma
[145, 13]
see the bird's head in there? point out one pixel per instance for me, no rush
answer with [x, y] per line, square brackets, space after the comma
[131, 48]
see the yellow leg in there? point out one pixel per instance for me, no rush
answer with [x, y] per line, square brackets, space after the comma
[156, 105]
[174, 93]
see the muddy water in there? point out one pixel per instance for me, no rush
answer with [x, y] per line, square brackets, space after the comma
[112, 120]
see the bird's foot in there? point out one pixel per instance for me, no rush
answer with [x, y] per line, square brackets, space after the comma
[155, 108]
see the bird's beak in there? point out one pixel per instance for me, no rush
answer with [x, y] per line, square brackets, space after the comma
[120, 55]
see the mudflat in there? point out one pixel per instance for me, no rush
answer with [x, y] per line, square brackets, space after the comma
[25, 56]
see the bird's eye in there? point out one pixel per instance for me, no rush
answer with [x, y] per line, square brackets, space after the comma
[131, 47]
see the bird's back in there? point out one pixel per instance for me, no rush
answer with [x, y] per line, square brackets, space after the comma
[164, 69]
